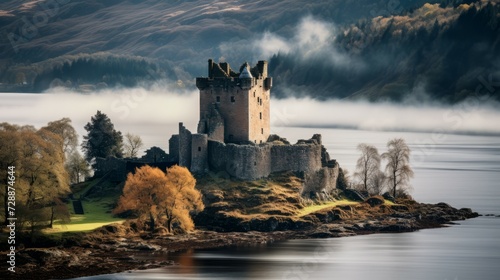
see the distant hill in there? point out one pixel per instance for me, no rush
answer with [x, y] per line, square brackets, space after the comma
[323, 49]
[433, 53]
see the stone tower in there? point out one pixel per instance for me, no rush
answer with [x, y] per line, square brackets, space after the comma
[233, 133]
[234, 106]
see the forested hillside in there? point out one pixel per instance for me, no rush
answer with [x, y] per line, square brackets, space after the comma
[380, 50]
[436, 52]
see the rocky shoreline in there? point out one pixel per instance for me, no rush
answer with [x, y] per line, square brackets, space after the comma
[114, 248]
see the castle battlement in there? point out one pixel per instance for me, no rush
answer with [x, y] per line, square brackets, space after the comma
[241, 98]
[220, 75]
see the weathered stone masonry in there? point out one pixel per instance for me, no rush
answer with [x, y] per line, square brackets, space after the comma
[250, 162]
[234, 133]
[240, 99]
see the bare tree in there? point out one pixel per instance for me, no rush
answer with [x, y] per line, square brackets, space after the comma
[367, 167]
[398, 169]
[77, 167]
[133, 143]
[378, 183]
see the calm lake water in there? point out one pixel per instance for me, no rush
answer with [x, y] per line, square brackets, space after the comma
[461, 170]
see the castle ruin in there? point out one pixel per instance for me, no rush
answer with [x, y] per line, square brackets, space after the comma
[233, 133]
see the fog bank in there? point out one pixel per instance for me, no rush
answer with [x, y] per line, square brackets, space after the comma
[154, 114]
[471, 116]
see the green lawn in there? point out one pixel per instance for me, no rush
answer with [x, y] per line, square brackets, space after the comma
[97, 214]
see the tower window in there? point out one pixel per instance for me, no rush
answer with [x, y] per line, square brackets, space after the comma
[258, 99]
[232, 99]
[199, 149]
[260, 115]
[262, 131]
[218, 99]
[254, 94]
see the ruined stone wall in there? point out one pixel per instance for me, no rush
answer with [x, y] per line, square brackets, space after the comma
[115, 167]
[199, 153]
[246, 162]
[212, 124]
[216, 129]
[320, 183]
[173, 147]
[184, 146]
[250, 162]
[299, 157]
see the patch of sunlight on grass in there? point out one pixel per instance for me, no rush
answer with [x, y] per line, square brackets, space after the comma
[97, 214]
[388, 202]
[314, 208]
[60, 228]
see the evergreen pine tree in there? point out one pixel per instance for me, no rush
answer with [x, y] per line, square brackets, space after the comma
[102, 139]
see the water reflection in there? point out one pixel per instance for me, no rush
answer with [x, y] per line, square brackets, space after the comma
[462, 174]
[467, 251]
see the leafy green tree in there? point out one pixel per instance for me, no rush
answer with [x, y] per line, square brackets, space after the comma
[102, 139]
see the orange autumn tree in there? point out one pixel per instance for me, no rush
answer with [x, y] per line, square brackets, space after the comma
[154, 194]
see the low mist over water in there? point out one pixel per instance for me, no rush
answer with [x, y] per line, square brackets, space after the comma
[155, 113]
[460, 169]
